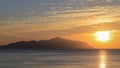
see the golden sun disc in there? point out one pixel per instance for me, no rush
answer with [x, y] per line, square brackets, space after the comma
[102, 36]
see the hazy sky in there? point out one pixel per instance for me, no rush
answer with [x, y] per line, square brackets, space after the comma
[43, 19]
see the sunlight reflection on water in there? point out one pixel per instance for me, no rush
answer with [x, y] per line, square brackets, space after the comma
[102, 59]
[60, 59]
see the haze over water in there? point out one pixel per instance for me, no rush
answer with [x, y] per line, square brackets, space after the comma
[59, 59]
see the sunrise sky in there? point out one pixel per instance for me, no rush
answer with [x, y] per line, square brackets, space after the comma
[71, 19]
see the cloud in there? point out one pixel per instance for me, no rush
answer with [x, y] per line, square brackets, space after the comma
[62, 20]
[37, 35]
[58, 23]
[77, 30]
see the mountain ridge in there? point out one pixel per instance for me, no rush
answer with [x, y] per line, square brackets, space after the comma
[53, 43]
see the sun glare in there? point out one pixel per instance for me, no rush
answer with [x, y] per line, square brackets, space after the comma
[102, 36]
[104, 20]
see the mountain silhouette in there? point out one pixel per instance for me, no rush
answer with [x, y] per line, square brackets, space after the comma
[54, 43]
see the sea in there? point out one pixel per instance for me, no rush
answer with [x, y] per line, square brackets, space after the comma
[59, 58]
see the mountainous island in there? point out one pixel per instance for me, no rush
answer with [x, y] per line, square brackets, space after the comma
[54, 43]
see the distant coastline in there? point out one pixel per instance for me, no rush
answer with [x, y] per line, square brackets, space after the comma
[54, 43]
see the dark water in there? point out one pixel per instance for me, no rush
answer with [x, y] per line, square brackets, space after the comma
[59, 58]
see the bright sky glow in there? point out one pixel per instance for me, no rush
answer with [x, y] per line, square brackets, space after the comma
[102, 36]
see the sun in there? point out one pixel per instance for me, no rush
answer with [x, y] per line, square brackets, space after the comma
[102, 36]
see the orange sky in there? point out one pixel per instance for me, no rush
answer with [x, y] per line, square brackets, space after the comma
[112, 43]
[72, 19]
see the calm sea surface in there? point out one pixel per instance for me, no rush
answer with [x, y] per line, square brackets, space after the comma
[59, 58]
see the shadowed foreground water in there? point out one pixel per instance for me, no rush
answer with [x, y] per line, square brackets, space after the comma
[59, 59]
